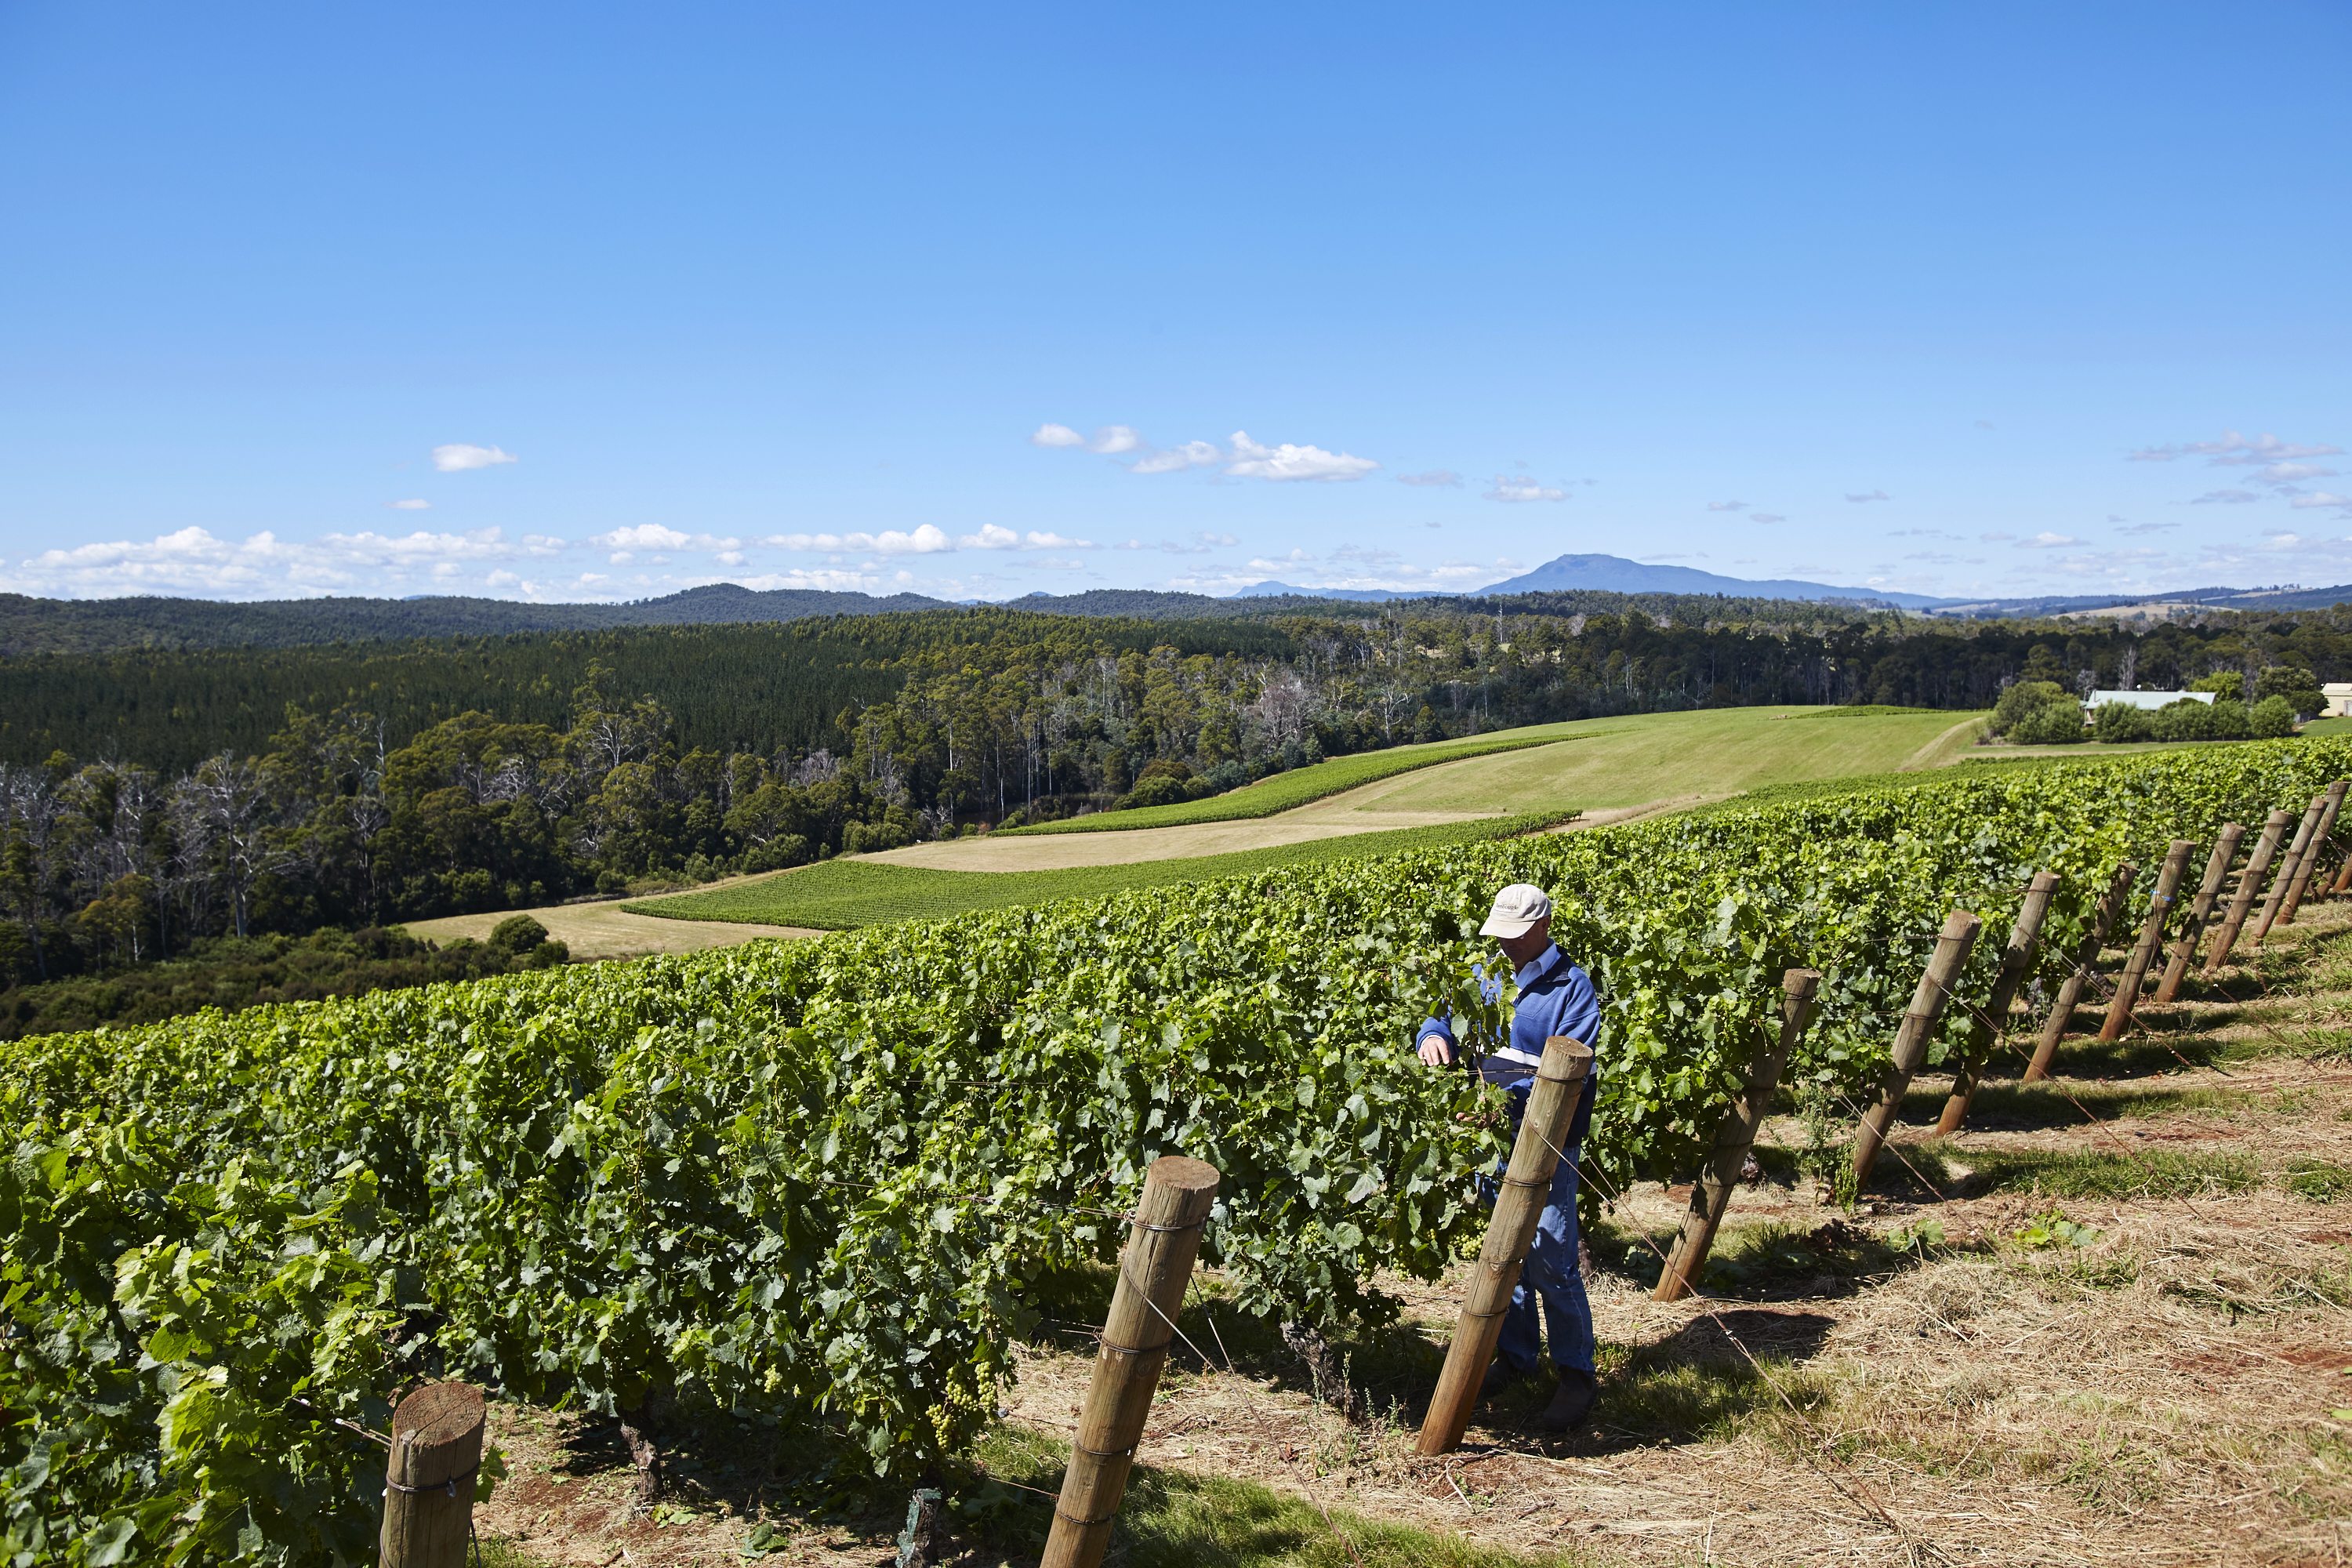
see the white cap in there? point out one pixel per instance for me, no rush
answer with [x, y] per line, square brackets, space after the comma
[1518, 908]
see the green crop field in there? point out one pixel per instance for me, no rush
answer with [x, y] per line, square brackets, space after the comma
[1662, 756]
[843, 895]
[1299, 786]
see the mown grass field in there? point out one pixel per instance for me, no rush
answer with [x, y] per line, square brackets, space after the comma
[1607, 763]
[842, 895]
[1284, 792]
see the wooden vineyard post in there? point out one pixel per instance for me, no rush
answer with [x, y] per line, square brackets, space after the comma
[2151, 939]
[1711, 1195]
[1154, 1272]
[2310, 861]
[2086, 958]
[2250, 888]
[1944, 966]
[2343, 877]
[2016, 963]
[2201, 912]
[428, 1494]
[2286, 867]
[1525, 1187]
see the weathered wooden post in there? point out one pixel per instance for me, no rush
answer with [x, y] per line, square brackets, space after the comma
[2201, 912]
[2250, 888]
[1711, 1194]
[1944, 966]
[1154, 1272]
[2310, 861]
[428, 1484]
[1527, 1184]
[2151, 939]
[2016, 963]
[2087, 957]
[2343, 881]
[2286, 867]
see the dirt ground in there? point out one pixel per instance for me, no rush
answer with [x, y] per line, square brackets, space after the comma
[2109, 1323]
[607, 930]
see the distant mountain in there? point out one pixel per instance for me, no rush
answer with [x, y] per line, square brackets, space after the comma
[1615, 574]
[1354, 596]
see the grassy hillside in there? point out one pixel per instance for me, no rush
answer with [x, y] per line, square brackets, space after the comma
[1302, 786]
[841, 895]
[1661, 756]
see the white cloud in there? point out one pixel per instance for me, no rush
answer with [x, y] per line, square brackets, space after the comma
[1175, 459]
[458, 457]
[1875, 495]
[2147, 528]
[1433, 477]
[926, 539]
[2233, 451]
[2291, 473]
[1995, 538]
[1765, 517]
[2047, 541]
[1049, 541]
[1114, 438]
[410, 505]
[1288, 461]
[2225, 497]
[1165, 547]
[1056, 436]
[2321, 498]
[1369, 557]
[1727, 506]
[1293, 559]
[262, 565]
[646, 536]
[1519, 488]
[1219, 540]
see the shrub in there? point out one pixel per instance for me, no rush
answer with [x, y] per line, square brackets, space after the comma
[1162, 790]
[2272, 719]
[2231, 721]
[2297, 685]
[2055, 723]
[2187, 719]
[2023, 699]
[516, 934]
[2226, 684]
[2119, 722]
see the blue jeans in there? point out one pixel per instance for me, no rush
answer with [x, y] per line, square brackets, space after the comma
[1550, 1273]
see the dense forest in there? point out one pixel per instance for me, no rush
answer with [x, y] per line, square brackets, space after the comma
[152, 800]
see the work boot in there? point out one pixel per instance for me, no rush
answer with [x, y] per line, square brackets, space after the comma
[1500, 1376]
[1571, 1404]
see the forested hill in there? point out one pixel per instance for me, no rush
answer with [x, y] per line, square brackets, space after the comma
[30, 626]
[765, 688]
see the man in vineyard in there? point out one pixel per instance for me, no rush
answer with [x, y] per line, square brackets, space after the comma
[1555, 998]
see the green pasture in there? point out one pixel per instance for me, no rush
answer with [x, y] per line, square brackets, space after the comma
[1606, 762]
[841, 895]
[1300, 786]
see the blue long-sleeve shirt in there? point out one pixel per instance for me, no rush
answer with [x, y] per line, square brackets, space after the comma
[1556, 997]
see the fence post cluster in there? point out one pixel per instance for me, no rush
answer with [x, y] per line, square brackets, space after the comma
[1154, 1271]
[2151, 939]
[2310, 861]
[1711, 1194]
[2305, 835]
[428, 1483]
[2200, 911]
[1519, 1204]
[1919, 1020]
[2087, 957]
[2016, 963]
[2250, 888]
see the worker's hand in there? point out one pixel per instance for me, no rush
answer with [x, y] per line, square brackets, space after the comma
[1436, 1050]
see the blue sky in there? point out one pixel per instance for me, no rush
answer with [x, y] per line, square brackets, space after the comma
[585, 301]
